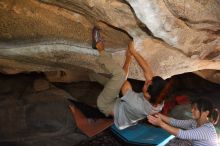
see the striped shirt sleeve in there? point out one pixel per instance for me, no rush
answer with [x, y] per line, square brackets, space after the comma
[183, 124]
[200, 133]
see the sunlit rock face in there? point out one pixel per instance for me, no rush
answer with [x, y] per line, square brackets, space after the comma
[54, 36]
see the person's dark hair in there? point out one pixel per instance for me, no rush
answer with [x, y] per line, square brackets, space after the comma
[156, 87]
[206, 105]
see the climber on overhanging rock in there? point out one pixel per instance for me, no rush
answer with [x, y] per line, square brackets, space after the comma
[132, 106]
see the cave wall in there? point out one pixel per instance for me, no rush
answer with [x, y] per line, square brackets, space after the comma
[54, 36]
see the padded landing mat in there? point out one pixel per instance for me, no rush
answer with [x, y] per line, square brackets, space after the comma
[143, 134]
[90, 127]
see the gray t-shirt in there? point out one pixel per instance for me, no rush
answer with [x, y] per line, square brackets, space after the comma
[131, 108]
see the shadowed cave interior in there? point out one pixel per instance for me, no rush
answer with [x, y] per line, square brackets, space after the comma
[35, 112]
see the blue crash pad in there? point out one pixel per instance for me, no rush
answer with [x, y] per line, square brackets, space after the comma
[143, 134]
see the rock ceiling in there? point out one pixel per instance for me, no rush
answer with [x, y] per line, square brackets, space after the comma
[175, 36]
